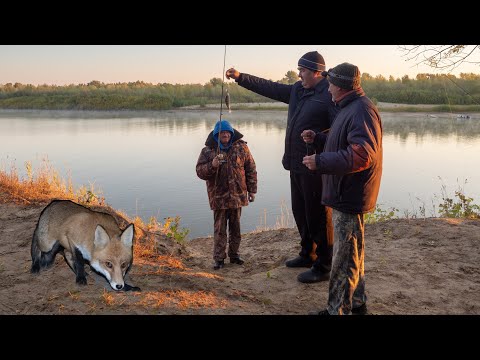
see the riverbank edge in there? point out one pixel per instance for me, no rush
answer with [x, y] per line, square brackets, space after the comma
[277, 106]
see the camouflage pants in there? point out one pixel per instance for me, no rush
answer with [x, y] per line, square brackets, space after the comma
[347, 277]
[221, 217]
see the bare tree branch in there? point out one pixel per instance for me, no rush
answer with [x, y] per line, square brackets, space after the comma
[444, 57]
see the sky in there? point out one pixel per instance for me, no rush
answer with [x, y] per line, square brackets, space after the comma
[189, 64]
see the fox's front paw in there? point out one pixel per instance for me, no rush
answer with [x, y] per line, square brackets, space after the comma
[131, 288]
[81, 280]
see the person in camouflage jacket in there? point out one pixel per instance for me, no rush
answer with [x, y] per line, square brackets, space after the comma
[231, 176]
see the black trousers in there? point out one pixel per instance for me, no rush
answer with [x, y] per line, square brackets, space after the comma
[314, 220]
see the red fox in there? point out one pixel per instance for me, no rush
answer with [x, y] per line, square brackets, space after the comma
[83, 236]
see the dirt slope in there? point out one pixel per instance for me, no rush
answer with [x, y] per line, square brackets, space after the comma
[412, 267]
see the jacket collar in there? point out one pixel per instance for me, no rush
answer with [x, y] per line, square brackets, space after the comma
[350, 96]
[321, 86]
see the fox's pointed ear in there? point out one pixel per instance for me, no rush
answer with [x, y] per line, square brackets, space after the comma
[101, 237]
[127, 236]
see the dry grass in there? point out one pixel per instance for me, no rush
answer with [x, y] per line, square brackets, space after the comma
[182, 299]
[160, 261]
[73, 295]
[284, 221]
[108, 298]
[44, 185]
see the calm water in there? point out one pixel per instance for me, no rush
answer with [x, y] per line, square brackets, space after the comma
[144, 162]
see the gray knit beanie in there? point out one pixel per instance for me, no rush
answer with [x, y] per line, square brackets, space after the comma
[345, 76]
[312, 61]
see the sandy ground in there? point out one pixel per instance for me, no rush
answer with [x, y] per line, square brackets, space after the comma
[417, 266]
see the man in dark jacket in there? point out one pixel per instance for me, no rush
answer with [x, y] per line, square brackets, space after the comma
[231, 175]
[352, 164]
[309, 107]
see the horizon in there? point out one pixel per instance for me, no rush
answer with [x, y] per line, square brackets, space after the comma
[64, 65]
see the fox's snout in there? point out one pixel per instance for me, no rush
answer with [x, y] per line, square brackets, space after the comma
[117, 287]
[116, 278]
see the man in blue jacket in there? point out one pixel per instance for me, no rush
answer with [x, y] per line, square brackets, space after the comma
[309, 107]
[352, 166]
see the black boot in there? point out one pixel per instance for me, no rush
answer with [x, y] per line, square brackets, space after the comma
[236, 260]
[321, 312]
[361, 310]
[299, 261]
[313, 275]
[218, 264]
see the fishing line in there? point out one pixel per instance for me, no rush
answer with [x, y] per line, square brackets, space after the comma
[446, 94]
[221, 99]
[465, 91]
[220, 124]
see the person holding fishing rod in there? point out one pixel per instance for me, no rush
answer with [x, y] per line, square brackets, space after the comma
[231, 177]
[229, 169]
[310, 106]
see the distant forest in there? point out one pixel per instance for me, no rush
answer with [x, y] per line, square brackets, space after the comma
[96, 95]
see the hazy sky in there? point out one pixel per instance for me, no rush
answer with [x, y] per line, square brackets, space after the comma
[186, 64]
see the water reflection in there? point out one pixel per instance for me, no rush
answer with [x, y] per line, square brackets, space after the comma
[153, 119]
[145, 161]
[421, 125]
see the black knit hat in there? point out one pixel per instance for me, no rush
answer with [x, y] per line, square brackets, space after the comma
[313, 61]
[345, 76]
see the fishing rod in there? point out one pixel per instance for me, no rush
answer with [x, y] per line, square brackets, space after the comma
[222, 158]
[223, 81]
[227, 101]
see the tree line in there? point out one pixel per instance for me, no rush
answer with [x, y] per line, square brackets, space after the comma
[139, 95]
